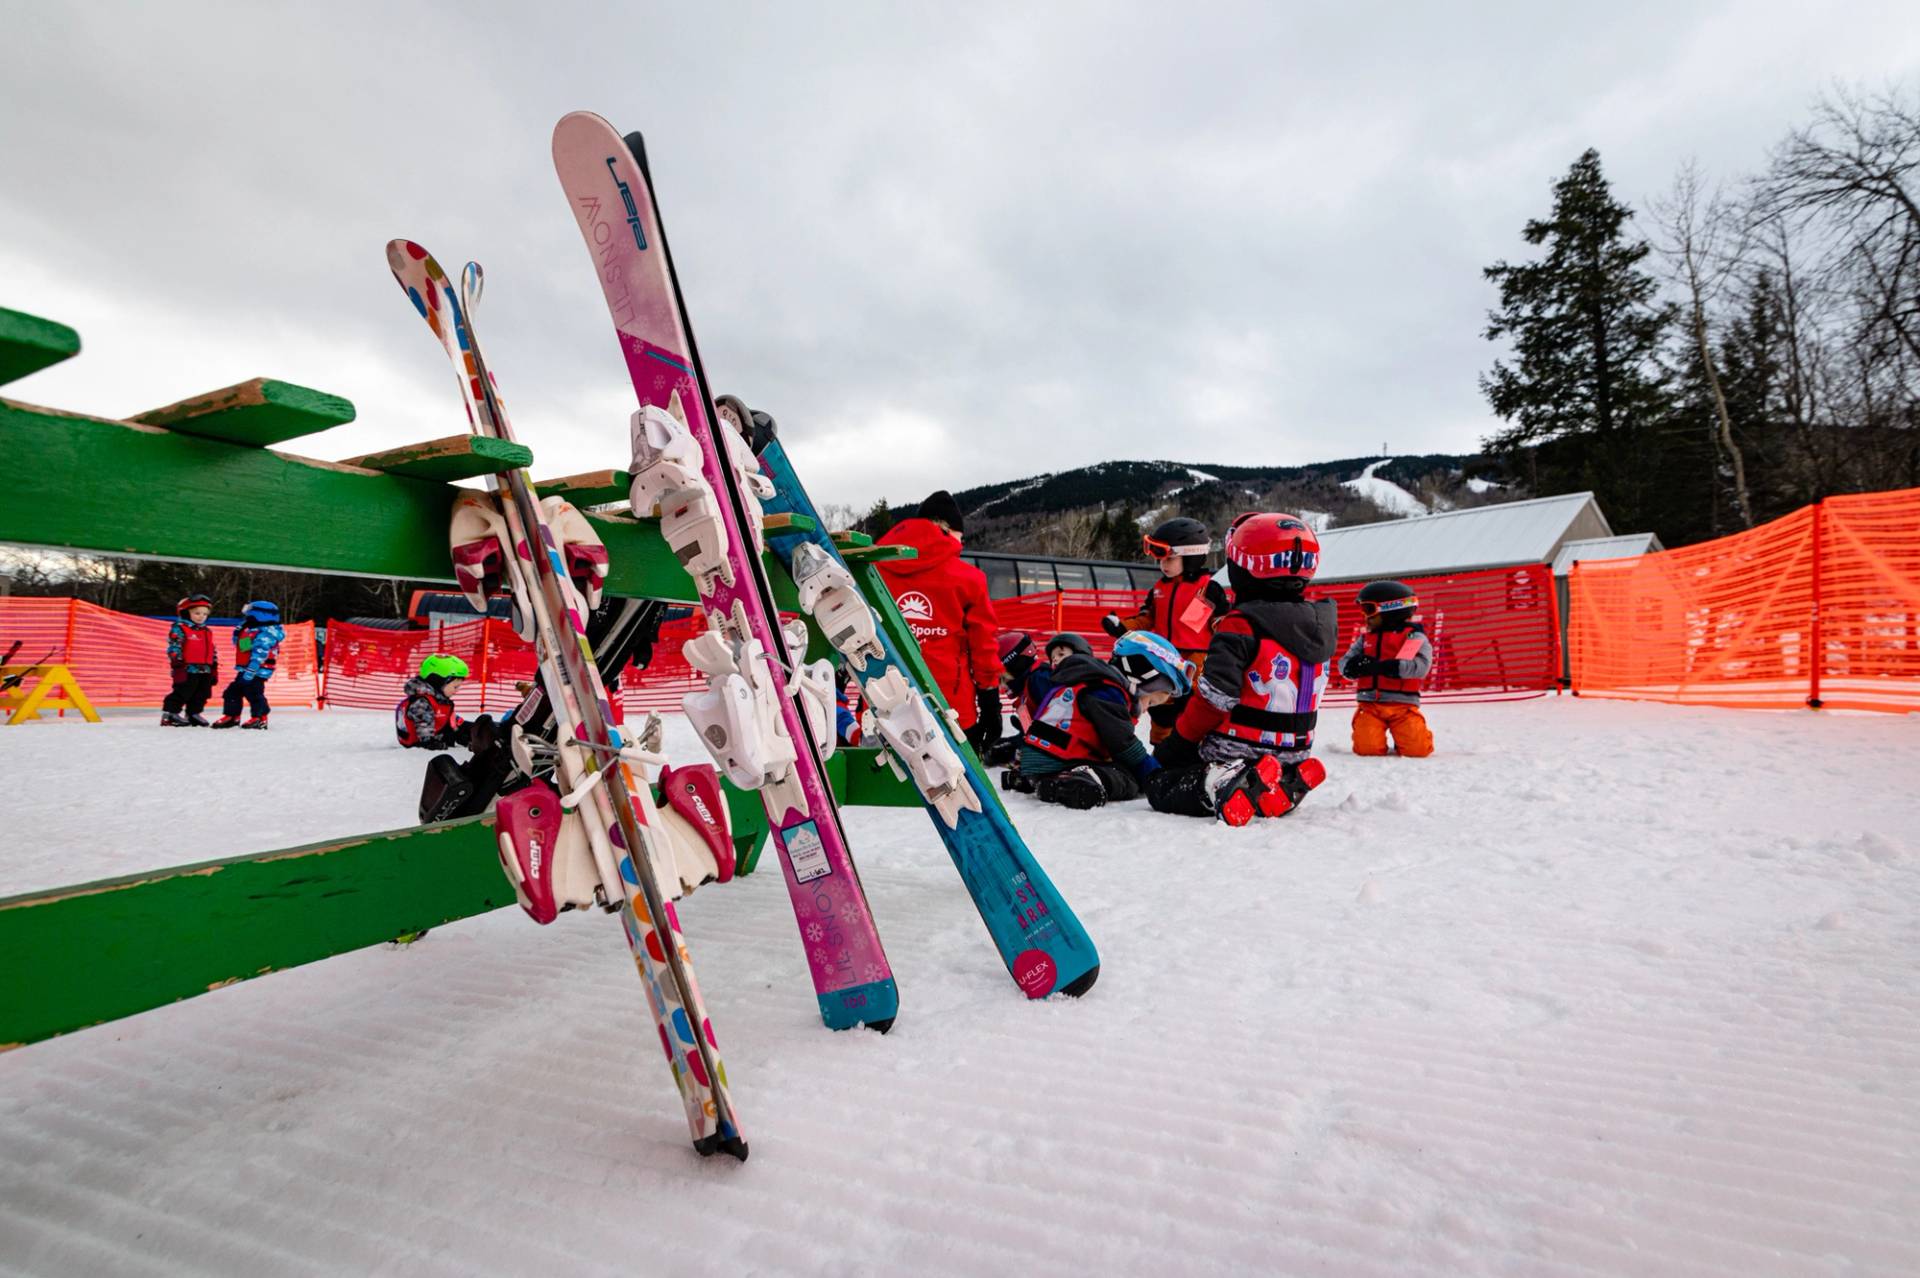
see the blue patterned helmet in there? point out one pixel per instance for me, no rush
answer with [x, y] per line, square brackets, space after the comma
[1151, 663]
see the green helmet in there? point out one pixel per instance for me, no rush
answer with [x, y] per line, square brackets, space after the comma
[442, 667]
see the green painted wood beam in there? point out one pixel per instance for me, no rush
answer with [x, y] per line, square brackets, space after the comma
[260, 412]
[82, 955]
[847, 539]
[446, 460]
[595, 488]
[29, 344]
[873, 554]
[95, 952]
[92, 483]
[789, 523]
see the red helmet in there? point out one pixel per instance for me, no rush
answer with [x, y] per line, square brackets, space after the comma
[1273, 547]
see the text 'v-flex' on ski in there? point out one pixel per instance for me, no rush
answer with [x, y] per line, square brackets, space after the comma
[612, 201]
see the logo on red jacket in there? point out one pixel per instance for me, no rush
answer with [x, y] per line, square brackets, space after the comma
[915, 606]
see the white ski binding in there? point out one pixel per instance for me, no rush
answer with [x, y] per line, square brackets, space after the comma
[737, 717]
[667, 478]
[907, 724]
[830, 597]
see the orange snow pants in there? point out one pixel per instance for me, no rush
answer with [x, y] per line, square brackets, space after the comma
[1373, 721]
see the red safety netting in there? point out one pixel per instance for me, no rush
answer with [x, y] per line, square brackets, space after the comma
[1819, 607]
[369, 667]
[121, 660]
[1496, 632]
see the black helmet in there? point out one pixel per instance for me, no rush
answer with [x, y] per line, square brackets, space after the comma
[1075, 643]
[1180, 536]
[1392, 601]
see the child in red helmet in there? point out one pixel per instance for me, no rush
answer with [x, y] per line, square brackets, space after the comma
[1387, 664]
[194, 659]
[1241, 747]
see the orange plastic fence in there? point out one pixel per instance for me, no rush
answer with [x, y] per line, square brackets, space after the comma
[1497, 632]
[368, 667]
[121, 660]
[1821, 607]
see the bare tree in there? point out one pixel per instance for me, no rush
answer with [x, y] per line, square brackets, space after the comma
[1700, 260]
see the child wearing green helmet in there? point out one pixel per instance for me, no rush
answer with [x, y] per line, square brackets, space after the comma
[426, 718]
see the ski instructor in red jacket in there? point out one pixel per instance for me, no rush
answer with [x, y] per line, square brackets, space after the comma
[944, 601]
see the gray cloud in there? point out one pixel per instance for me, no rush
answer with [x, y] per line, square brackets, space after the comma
[943, 246]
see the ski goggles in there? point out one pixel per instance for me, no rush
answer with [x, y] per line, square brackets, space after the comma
[1157, 549]
[1373, 608]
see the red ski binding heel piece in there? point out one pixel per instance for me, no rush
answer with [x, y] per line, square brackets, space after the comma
[527, 825]
[694, 792]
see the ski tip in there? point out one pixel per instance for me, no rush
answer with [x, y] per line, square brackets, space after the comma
[1080, 984]
[879, 1027]
[637, 145]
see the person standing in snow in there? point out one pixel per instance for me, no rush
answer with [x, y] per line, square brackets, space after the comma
[194, 659]
[945, 603]
[1387, 663]
[1241, 747]
[1081, 750]
[256, 645]
[1182, 605]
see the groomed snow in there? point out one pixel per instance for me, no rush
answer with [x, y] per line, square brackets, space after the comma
[1600, 989]
[1384, 493]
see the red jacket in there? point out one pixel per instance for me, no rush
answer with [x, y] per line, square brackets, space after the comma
[944, 601]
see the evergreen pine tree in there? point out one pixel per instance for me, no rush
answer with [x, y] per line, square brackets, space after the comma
[1586, 388]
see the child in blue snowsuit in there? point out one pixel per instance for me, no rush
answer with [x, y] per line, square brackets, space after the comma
[256, 644]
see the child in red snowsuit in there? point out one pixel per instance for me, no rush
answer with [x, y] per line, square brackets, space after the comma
[1182, 605]
[194, 659]
[1387, 664]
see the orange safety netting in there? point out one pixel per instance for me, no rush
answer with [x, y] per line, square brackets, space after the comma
[1821, 607]
[121, 660]
[369, 667]
[1496, 631]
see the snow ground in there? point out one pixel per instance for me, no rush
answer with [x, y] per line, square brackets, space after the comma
[1384, 493]
[1600, 989]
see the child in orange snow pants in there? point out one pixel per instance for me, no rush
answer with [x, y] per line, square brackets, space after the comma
[1388, 663]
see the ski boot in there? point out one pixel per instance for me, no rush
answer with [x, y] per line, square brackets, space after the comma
[172, 719]
[258, 723]
[1264, 787]
[197, 721]
[1076, 788]
[445, 791]
[1017, 781]
[226, 721]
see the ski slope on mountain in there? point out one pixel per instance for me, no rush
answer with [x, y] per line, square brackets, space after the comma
[1599, 989]
[1384, 493]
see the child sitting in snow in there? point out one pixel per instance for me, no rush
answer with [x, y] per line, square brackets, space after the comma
[1387, 664]
[426, 719]
[1240, 749]
[1080, 750]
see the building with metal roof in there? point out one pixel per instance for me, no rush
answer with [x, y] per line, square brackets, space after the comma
[1497, 536]
[1625, 547]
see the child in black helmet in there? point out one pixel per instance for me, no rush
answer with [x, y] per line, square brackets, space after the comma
[1182, 605]
[1387, 663]
[194, 659]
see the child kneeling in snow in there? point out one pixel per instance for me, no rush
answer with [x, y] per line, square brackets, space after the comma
[1387, 664]
[1240, 749]
[426, 719]
[1080, 750]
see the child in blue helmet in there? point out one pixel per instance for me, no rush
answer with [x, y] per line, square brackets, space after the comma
[1081, 749]
[256, 645]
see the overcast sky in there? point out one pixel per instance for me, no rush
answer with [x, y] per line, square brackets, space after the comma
[943, 244]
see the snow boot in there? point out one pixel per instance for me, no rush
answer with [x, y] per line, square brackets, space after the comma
[226, 721]
[171, 719]
[258, 721]
[197, 721]
[1076, 788]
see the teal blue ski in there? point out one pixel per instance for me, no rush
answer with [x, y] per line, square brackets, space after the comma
[1040, 940]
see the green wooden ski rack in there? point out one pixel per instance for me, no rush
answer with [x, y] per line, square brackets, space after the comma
[93, 952]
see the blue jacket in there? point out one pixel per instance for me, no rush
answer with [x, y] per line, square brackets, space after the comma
[256, 650]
